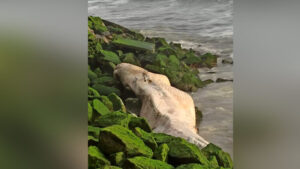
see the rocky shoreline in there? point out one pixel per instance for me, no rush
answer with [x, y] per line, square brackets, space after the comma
[118, 138]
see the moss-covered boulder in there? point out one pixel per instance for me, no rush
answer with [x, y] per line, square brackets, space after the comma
[161, 153]
[116, 138]
[109, 167]
[96, 158]
[192, 166]
[222, 157]
[105, 100]
[139, 122]
[130, 58]
[93, 93]
[100, 108]
[146, 137]
[113, 118]
[134, 44]
[183, 152]
[162, 138]
[118, 104]
[97, 24]
[117, 158]
[213, 162]
[145, 163]
[106, 90]
[133, 105]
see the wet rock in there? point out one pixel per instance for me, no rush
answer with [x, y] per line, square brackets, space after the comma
[227, 61]
[219, 80]
[130, 58]
[145, 163]
[110, 56]
[162, 138]
[106, 90]
[161, 153]
[116, 138]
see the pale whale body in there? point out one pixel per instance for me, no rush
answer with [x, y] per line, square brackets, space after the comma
[167, 109]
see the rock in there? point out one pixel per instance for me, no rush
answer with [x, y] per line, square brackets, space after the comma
[109, 167]
[183, 152]
[105, 100]
[130, 58]
[96, 24]
[117, 158]
[134, 44]
[213, 162]
[139, 122]
[113, 118]
[223, 80]
[105, 80]
[161, 153]
[209, 60]
[167, 109]
[223, 158]
[106, 90]
[93, 93]
[100, 108]
[162, 138]
[145, 163]
[146, 137]
[90, 112]
[227, 61]
[192, 166]
[94, 131]
[91, 75]
[118, 104]
[133, 105]
[116, 138]
[96, 158]
[198, 113]
[110, 56]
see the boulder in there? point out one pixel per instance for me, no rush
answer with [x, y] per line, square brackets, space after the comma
[116, 138]
[146, 137]
[145, 163]
[134, 44]
[162, 138]
[222, 157]
[139, 122]
[113, 118]
[133, 105]
[96, 157]
[117, 158]
[161, 153]
[118, 104]
[183, 152]
[100, 108]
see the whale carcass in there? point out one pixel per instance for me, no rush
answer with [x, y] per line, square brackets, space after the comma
[167, 109]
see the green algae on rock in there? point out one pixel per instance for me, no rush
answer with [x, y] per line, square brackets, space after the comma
[146, 137]
[145, 163]
[116, 138]
[183, 152]
[117, 158]
[161, 153]
[134, 44]
[139, 122]
[113, 118]
[96, 157]
[118, 104]
[222, 157]
[100, 107]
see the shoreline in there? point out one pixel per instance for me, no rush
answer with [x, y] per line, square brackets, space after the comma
[111, 44]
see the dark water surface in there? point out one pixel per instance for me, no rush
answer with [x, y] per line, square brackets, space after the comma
[204, 25]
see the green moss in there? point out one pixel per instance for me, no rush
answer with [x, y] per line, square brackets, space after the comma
[223, 158]
[117, 102]
[106, 90]
[93, 93]
[109, 167]
[139, 122]
[96, 24]
[117, 158]
[100, 107]
[116, 138]
[90, 112]
[93, 131]
[161, 153]
[105, 100]
[114, 118]
[192, 166]
[213, 162]
[146, 137]
[105, 80]
[145, 163]
[134, 44]
[162, 138]
[130, 58]
[183, 152]
[96, 158]
[209, 60]
[92, 76]
[110, 56]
